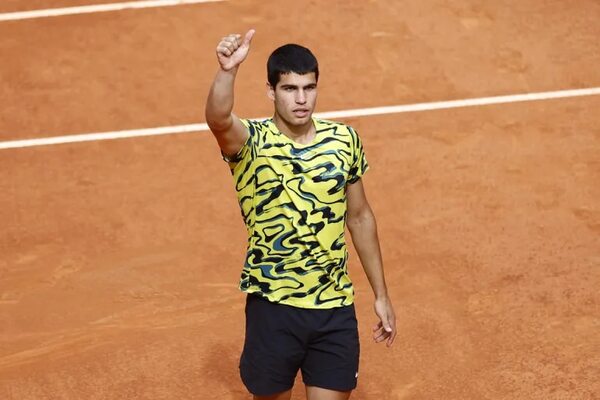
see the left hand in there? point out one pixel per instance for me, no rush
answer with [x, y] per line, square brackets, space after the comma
[385, 329]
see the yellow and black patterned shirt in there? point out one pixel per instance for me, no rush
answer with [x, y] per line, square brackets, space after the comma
[293, 201]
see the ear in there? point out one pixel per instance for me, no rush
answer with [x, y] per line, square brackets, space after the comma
[270, 92]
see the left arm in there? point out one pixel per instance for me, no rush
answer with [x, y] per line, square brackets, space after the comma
[363, 228]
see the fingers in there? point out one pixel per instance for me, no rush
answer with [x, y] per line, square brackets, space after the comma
[379, 334]
[391, 339]
[229, 44]
[382, 335]
[385, 329]
[377, 326]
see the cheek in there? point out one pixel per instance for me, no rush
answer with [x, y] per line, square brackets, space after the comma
[284, 101]
[280, 104]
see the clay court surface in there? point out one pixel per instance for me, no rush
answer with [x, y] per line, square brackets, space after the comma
[119, 259]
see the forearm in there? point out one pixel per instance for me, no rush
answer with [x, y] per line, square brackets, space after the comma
[219, 104]
[363, 229]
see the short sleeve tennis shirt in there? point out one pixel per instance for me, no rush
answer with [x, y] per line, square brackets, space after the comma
[293, 202]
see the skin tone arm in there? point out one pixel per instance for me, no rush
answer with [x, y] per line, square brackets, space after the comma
[363, 228]
[229, 131]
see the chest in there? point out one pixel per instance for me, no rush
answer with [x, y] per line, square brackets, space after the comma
[319, 171]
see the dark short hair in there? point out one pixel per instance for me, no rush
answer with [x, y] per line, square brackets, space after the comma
[291, 58]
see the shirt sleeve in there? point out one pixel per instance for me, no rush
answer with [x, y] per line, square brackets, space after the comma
[359, 164]
[247, 152]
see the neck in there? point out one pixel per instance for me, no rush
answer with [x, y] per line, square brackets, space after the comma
[298, 133]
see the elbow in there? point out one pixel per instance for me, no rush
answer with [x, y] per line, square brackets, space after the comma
[353, 226]
[359, 221]
[218, 123]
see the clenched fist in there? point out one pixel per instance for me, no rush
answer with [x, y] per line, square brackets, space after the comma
[232, 50]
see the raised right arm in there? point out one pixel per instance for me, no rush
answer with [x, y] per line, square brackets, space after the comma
[229, 131]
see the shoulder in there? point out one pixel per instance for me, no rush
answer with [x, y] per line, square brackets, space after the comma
[340, 131]
[260, 129]
[256, 124]
[336, 127]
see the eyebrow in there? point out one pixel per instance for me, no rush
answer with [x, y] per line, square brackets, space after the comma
[296, 86]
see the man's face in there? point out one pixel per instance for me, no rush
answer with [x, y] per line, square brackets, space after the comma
[295, 97]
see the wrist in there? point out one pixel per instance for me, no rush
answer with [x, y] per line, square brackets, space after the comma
[231, 71]
[381, 295]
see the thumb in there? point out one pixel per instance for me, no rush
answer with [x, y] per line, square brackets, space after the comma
[248, 37]
[386, 324]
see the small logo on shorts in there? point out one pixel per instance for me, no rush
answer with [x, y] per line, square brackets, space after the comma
[356, 375]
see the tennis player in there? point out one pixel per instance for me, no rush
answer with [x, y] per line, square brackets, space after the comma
[298, 183]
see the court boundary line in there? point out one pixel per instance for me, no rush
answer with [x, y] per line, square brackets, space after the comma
[96, 8]
[359, 112]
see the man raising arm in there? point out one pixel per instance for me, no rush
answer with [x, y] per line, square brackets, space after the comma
[229, 131]
[298, 183]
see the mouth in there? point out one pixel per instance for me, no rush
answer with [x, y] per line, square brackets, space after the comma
[301, 112]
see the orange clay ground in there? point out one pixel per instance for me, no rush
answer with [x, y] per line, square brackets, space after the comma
[119, 260]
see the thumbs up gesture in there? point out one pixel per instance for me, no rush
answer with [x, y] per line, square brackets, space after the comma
[233, 50]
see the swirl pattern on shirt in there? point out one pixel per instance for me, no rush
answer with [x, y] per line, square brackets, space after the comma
[293, 202]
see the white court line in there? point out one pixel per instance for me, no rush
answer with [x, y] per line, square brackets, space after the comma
[360, 112]
[56, 12]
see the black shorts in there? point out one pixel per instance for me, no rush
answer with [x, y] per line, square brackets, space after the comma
[280, 340]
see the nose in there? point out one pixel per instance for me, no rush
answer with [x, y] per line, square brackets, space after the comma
[301, 97]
